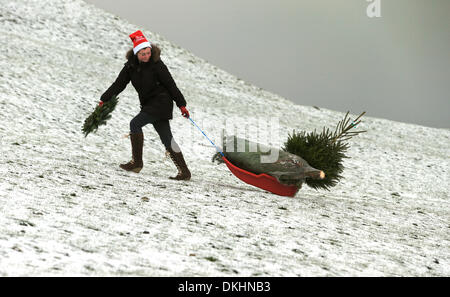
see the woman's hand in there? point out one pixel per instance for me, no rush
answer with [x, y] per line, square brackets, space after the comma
[100, 103]
[184, 111]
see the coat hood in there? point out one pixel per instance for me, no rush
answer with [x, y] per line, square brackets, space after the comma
[156, 55]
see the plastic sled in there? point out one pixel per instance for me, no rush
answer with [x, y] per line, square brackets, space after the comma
[262, 181]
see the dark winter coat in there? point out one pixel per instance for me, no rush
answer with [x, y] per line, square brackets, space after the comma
[152, 81]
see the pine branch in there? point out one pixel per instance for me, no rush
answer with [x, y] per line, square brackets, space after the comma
[343, 127]
[99, 116]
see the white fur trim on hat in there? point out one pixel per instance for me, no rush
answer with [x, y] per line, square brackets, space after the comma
[141, 46]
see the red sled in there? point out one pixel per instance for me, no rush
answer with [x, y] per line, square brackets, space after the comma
[262, 181]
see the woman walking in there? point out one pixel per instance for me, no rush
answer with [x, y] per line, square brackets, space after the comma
[157, 91]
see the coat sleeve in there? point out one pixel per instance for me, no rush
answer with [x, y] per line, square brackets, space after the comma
[118, 85]
[167, 81]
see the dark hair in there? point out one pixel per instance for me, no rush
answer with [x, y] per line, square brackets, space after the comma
[129, 54]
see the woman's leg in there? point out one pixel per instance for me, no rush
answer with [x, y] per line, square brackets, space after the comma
[139, 121]
[137, 142]
[164, 132]
[172, 148]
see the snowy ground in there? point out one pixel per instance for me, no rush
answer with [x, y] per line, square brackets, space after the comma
[68, 209]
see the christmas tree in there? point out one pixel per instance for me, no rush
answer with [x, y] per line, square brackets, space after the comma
[325, 150]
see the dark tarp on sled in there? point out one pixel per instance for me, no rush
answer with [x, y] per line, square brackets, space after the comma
[287, 168]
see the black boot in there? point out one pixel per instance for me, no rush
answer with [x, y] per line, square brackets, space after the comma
[137, 143]
[178, 160]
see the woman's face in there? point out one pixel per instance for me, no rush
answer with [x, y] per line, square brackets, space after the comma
[144, 54]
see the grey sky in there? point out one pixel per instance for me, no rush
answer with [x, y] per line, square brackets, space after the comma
[326, 53]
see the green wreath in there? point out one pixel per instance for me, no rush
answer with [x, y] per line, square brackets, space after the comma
[99, 116]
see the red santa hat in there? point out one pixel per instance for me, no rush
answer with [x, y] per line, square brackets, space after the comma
[139, 41]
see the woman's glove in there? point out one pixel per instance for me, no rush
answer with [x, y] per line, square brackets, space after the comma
[100, 103]
[184, 111]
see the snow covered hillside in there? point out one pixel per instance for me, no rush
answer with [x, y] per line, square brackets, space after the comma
[68, 209]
